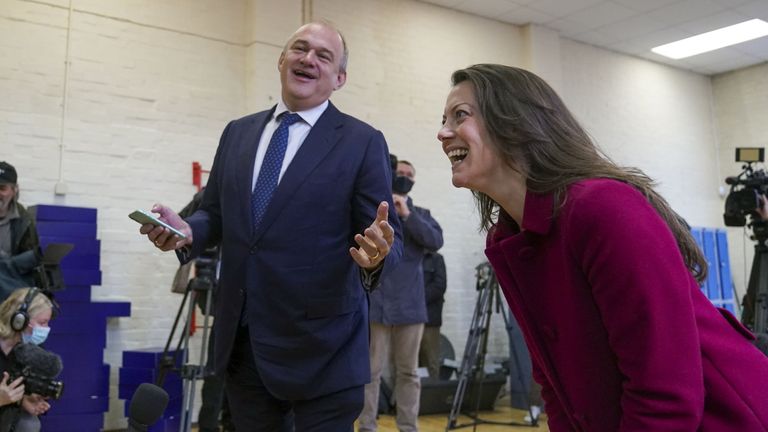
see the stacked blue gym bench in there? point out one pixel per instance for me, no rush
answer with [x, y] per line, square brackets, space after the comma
[719, 285]
[79, 331]
[140, 366]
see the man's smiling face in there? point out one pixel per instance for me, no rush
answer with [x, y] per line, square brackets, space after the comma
[310, 66]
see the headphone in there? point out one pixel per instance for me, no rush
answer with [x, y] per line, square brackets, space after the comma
[20, 318]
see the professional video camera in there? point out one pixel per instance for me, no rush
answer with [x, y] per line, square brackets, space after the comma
[39, 368]
[746, 190]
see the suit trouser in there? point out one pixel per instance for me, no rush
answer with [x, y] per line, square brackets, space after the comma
[255, 409]
[429, 353]
[404, 341]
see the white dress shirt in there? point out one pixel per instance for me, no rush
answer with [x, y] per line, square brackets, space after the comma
[297, 132]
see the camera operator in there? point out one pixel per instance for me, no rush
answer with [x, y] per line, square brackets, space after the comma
[24, 317]
[19, 244]
[748, 301]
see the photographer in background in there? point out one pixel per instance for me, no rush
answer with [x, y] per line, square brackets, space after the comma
[748, 301]
[24, 317]
[19, 244]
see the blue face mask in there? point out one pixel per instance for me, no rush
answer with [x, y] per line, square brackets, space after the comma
[38, 336]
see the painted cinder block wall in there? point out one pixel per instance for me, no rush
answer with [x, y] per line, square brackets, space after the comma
[151, 85]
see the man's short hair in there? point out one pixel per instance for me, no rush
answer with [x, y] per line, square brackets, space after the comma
[7, 173]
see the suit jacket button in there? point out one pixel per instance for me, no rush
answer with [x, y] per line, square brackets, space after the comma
[253, 250]
[525, 253]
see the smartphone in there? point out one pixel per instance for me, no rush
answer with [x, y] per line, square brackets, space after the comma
[144, 217]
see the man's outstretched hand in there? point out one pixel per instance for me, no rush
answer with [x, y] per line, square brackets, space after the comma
[375, 242]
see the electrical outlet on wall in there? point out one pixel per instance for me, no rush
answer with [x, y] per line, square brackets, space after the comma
[60, 188]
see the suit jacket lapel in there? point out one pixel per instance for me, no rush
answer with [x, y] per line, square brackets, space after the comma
[246, 154]
[321, 139]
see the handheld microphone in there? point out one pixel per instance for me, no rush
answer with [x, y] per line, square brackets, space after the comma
[39, 368]
[146, 407]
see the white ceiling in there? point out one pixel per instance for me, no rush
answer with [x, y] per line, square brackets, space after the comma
[635, 26]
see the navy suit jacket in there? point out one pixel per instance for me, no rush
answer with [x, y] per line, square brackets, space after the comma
[306, 306]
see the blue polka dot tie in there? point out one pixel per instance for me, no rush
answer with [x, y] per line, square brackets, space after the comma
[270, 168]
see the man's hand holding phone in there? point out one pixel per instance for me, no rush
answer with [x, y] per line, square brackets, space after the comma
[167, 231]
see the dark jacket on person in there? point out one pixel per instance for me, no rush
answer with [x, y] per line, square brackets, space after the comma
[435, 283]
[400, 298]
[291, 278]
[18, 270]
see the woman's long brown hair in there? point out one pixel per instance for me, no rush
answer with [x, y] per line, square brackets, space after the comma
[530, 124]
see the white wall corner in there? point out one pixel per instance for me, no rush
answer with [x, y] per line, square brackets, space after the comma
[541, 54]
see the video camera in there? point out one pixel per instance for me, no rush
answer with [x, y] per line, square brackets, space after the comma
[205, 270]
[39, 368]
[746, 190]
[205, 278]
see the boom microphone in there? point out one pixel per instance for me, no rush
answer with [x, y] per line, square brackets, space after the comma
[39, 360]
[146, 407]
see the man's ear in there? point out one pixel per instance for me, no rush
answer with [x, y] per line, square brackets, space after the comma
[341, 79]
[280, 60]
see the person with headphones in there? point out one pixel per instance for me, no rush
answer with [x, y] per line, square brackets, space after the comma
[24, 318]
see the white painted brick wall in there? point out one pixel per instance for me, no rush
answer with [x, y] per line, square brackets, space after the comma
[152, 84]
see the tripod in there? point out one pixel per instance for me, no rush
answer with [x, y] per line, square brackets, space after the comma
[755, 312]
[190, 373]
[473, 363]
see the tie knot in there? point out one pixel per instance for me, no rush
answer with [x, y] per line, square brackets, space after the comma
[288, 119]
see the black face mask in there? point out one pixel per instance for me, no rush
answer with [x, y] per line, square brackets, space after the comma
[401, 185]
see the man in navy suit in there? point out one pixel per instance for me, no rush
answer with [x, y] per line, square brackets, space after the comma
[292, 314]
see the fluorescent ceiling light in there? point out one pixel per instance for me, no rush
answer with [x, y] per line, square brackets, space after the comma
[713, 40]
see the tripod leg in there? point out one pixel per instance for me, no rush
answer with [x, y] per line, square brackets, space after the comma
[166, 363]
[185, 415]
[471, 351]
[473, 362]
[761, 296]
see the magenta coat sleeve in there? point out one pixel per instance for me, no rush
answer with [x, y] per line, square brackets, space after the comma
[641, 288]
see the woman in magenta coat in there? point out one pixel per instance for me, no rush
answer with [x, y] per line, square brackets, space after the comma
[598, 270]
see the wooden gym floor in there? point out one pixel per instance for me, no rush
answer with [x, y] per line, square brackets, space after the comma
[438, 422]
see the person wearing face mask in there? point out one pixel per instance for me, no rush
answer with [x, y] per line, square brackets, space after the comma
[398, 309]
[19, 244]
[24, 318]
